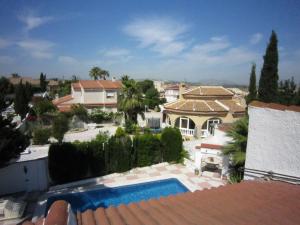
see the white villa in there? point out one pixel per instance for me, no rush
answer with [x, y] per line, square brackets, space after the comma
[172, 93]
[91, 94]
[199, 110]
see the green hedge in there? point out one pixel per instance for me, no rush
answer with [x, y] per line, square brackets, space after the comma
[103, 155]
[171, 140]
[147, 149]
[66, 163]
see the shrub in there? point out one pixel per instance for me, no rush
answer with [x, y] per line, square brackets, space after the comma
[79, 111]
[41, 136]
[120, 132]
[98, 116]
[118, 153]
[147, 150]
[172, 144]
[66, 163]
[43, 107]
[130, 127]
[60, 126]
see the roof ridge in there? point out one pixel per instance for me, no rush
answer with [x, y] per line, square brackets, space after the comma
[222, 105]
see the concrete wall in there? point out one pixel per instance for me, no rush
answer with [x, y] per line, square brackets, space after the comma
[273, 142]
[24, 176]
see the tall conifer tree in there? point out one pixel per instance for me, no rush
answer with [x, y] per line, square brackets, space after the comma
[268, 82]
[252, 85]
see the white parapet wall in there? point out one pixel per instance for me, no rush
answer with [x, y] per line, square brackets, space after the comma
[273, 141]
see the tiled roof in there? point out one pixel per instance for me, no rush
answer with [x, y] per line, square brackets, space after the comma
[204, 106]
[233, 106]
[172, 87]
[249, 202]
[52, 83]
[76, 86]
[62, 99]
[275, 106]
[210, 146]
[209, 91]
[99, 84]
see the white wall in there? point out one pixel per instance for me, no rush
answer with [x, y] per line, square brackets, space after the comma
[14, 179]
[273, 141]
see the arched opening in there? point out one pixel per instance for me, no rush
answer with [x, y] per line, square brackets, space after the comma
[209, 126]
[185, 125]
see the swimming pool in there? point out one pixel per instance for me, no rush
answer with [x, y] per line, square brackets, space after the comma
[106, 197]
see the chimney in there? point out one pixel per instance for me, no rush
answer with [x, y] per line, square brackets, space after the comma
[181, 90]
[113, 79]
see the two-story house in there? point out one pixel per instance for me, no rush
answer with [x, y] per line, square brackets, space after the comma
[91, 94]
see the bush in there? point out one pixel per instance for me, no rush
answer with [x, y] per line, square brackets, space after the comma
[66, 163]
[44, 106]
[41, 136]
[60, 126]
[79, 111]
[130, 127]
[147, 150]
[98, 116]
[172, 144]
[119, 154]
[120, 132]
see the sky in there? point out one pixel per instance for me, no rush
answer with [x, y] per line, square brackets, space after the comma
[192, 41]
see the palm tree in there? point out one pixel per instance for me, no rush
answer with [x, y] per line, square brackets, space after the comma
[96, 73]
[236, 149]
[130, 100]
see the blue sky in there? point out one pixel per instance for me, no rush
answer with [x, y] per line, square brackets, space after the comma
[169, 40]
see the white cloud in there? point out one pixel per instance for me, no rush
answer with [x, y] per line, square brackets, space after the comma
[32, 21]
[6, 59]
[256, 38]
[39, 49]
[160, 34]
[4, 43]
[67, 59]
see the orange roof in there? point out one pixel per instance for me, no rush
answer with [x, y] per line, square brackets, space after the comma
[172, 87]
[195, 106]
[208, 91]
[62, 99]
[98, 84]
[210, 146]
[249, 202]
[275, 106]
[76, 86]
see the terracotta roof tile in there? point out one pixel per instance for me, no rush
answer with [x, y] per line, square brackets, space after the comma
[76, 86]
[210, 146]
[275, 106]
[62, 99]
[100, 84]
[249, 202]
[209, 91]
[233, 106]
[172, 87]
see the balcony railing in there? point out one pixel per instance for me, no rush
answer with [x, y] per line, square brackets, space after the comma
[187, 132]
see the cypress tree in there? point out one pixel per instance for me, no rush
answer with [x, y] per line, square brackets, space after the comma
[252, 85]
[43, 82]
[21, 100]
[268, 82]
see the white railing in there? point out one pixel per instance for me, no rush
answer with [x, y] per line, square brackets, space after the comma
[187, 132]
[204, 133]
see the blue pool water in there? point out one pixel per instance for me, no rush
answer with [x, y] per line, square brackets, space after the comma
[106, 197]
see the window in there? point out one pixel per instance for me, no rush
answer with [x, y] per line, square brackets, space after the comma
[110, 94]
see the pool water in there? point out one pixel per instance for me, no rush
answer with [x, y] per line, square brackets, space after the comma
[106, 197]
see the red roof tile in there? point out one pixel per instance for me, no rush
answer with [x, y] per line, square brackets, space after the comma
[249, 202]
[275, 106]
[210, 146]
[99, 84]
[62, 99]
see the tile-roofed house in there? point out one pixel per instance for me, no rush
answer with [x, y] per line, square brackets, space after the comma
[171, 92]
[249, 202]
[198, 109]
[91, 94]
[16, 81]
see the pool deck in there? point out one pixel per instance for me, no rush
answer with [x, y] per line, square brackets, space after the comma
[138, 175]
